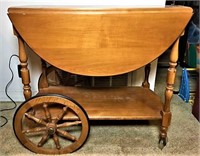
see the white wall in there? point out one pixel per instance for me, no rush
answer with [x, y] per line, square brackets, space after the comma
[9, 45]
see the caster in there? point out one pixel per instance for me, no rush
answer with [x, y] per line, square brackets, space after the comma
[162, 143]
[58, 125]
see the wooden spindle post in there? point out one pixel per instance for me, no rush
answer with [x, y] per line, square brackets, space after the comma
[24, 70]
[166, 114]
[145, 83]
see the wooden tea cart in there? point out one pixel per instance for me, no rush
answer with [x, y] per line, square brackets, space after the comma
[91, 42]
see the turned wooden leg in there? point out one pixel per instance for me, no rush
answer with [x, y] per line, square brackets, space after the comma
[166, 114]
[24, 70]
[146, 84]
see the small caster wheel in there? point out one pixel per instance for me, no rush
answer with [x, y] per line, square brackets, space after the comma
[162, 143]
[58, 125]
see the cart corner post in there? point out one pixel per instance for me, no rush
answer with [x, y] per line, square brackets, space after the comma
[25, 75]
[147, 69]
[166, 113]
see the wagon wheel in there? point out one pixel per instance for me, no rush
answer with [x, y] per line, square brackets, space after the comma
[59, 124]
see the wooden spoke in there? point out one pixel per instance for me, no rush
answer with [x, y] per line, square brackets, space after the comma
[67, 135]
[61, 115]
[43, 140]
[39, 121]
[56, 141]
[67, 124]
[47, 113]
[33, 130]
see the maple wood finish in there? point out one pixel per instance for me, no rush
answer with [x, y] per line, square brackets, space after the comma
[84, 41]
[50, 126]
[123, 103]
[94, 42]
[24, 70]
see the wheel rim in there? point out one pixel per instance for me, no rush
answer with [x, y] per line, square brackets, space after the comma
[44, 124]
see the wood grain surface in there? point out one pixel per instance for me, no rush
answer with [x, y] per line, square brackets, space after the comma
[99, 42]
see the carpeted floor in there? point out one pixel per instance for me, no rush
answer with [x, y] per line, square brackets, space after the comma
[135, 138]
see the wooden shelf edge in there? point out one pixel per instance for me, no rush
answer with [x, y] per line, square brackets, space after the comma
[124, 103]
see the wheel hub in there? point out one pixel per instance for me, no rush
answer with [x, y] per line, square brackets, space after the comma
[51, 128]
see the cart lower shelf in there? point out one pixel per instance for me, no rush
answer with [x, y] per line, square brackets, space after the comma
[124, 103]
